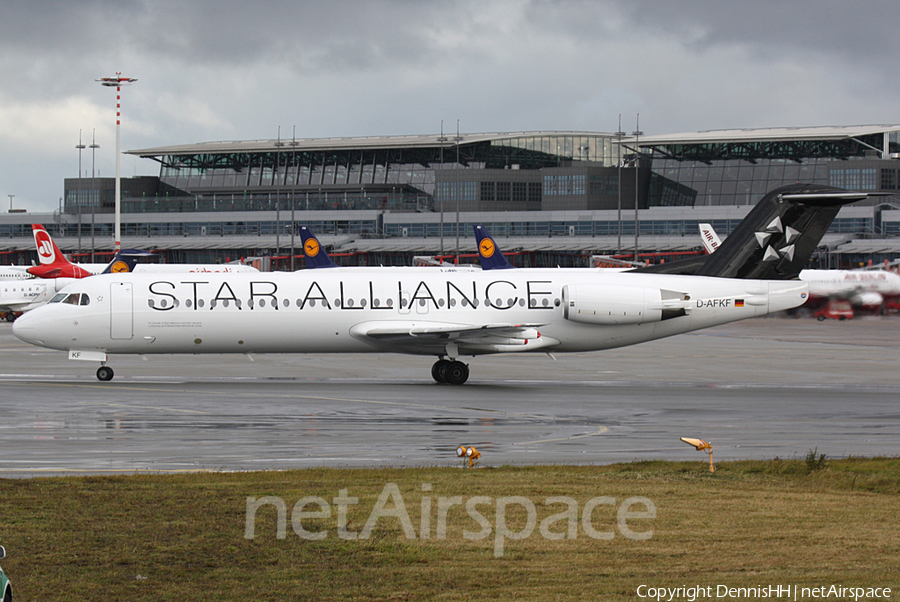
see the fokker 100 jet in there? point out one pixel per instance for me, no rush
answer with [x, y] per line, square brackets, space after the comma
[447, 314]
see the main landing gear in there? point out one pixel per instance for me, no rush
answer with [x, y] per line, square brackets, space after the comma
[452, 372]
[105, 373]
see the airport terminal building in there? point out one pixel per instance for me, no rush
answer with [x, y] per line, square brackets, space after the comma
[551, 198]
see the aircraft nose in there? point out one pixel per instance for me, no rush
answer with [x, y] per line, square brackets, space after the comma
[39, 327]
[24, 328]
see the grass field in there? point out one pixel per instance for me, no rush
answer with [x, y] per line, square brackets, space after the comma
[185, 537]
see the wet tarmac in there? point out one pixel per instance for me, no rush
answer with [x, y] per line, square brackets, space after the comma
[756, 389]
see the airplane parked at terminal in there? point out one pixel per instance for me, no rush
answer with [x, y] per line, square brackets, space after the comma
[448, 314]
[53, 264]
[315, 255]
[317, 258]
[25, 294]
[14, 272]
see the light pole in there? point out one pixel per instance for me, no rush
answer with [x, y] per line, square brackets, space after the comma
[94, 146]
[442, 139]
[619, 134]
[10, 201]
[293, 188]
[457, 139]
[278, 145]
[637, 159]
[118, 81]
[78, 194]
[80, 148]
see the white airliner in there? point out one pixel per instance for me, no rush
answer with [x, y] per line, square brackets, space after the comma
[448, 314]
[24, 288]
[53, 264]
[24, 294]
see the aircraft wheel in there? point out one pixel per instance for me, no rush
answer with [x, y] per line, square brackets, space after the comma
[437, 370]
[456, 373]
[10, 316]
[105, 373]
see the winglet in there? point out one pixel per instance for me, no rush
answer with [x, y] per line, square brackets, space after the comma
[488, 251]
[316, 257]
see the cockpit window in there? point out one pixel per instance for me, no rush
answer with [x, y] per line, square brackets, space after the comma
[58, 297]
[72, 299]
[85, 299]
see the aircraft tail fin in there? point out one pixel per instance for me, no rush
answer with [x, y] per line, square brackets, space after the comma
[488, 252]
[124, 261]
[710, 239]
[775, 240]
[316, 257]
[53, 264]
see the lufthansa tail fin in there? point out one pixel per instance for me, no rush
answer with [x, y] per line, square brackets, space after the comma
[124, 261]
[488, 251]
[775, 240]
[316, 257]
[53, 263]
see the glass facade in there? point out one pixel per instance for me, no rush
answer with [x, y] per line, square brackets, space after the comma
[730, 182]
[412, 166]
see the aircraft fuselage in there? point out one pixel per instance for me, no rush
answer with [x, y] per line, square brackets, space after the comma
[407, 310]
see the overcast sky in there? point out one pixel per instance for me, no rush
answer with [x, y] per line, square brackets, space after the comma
[237, 70]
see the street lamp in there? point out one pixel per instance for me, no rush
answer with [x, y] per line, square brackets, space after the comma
[637, 158]
[293, 188]
[277, 182]
[10, 201]
[619, 134]
[457, 139]
[78, 192]
[442, 139]
[94, 146]
[80, 148]
[118, 81]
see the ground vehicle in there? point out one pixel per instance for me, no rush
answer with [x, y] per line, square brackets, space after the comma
[5, 586]
[836, 309]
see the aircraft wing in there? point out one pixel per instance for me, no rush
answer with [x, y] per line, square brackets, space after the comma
[430, 338]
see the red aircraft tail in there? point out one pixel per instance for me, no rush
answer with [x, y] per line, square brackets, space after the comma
[53, 262]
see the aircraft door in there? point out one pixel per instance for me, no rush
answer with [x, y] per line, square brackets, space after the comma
[121, 311]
